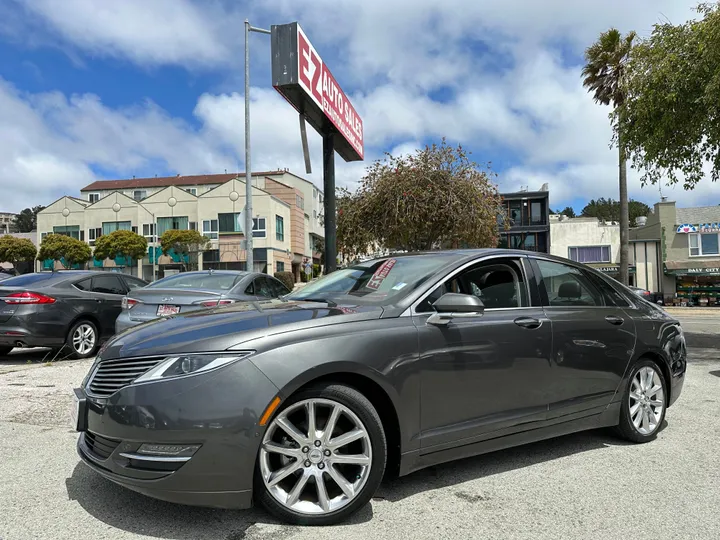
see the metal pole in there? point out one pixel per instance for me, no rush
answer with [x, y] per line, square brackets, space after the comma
[329, 202]
[155, 236]
[248, 168]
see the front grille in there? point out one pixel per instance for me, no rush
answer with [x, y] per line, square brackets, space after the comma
[102, 447]
[112, 375]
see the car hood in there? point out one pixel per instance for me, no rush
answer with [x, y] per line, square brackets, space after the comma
[221, 328]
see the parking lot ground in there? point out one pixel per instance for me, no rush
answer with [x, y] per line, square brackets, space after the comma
[585, 486]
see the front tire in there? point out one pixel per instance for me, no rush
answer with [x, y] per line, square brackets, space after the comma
[644, 403]
[82, 339]
[322, 457]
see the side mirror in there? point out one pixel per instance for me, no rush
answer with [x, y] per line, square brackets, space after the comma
[456, 306]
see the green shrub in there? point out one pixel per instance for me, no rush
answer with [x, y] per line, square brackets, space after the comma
[286, 278]
[316, 270]
[303, 277]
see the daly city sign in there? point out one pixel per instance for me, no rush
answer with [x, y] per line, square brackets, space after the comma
[304, 80]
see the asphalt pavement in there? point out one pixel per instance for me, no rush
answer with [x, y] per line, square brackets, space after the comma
[585, 486]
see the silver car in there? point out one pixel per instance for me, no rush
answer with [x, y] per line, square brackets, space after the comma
[190, 291]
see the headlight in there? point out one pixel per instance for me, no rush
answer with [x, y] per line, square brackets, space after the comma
[190, 364]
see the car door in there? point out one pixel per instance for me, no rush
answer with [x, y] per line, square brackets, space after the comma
[489, 373]
[593, 339]
[263, 289]
[108, 290]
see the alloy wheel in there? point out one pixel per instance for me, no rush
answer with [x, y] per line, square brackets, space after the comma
[315, 457]
[647, 400]
[83, 339]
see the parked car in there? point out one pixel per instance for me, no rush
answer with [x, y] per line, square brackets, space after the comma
[303, 403]
[67, 309]
[191, 291]
[641, 292]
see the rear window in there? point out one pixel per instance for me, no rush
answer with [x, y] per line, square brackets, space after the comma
[31, 279]
[215, 282]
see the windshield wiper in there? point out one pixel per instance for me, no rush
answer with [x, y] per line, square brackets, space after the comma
[330, 303]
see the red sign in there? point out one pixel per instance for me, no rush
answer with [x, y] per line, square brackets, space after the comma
[317, 81]
[380, 274]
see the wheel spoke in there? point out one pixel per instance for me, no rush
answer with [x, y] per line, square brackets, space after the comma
[353, 459]
[312, 429]
[656, 403]
[635, 396]
[341, 481]
[645, 420]
[346, 438]
[275, 448]
[279, 476]
[291, 430]
[634, 409]
[330, 426]
[638, 418]
[322, 492]
[654, 390]
[650, 375]
[294, 495]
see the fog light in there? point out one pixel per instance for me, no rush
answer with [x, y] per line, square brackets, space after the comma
[176, 450]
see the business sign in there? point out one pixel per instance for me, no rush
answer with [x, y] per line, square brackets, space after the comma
[686, 228]
[305, 81]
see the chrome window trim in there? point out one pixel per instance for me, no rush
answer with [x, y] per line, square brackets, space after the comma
[411, 311]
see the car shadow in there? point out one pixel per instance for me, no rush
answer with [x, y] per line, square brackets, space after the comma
[458, 472]
[38, 355]
[129, 511]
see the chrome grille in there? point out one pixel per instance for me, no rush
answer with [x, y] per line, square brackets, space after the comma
[112, 375]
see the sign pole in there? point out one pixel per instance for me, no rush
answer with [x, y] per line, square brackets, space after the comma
[329, 202]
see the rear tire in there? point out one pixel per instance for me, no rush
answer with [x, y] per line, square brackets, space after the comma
[644, 403]
[317, 460]
[82, 340]
[4, 351]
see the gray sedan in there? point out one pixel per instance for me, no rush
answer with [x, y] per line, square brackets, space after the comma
[191, 291]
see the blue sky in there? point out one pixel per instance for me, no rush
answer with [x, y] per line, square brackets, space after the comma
[91, 90]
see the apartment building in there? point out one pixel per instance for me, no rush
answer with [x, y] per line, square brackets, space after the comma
[6, 222]
[284, 229]
[527, 220]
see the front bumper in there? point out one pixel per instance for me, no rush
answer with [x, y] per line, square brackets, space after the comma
[218, 411]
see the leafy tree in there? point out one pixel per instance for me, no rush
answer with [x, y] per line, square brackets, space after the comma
[435, 197]
[184, 242]
[604, 74]
[609, 210]
[669, 121]
[568, 211]
[120, 244]
[60, 247]
[16, 250]
[26, 220]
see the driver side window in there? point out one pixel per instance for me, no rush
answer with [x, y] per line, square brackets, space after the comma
[499, 283]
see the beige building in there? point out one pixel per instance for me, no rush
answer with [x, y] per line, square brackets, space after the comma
[6, 222]
[587, 240]
[283, 231]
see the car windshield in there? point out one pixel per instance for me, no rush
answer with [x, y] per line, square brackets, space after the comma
[378, 282]
[216, 282]
[30, 279]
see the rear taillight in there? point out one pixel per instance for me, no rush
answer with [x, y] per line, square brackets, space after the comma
[129, 303]
[215, 303]
[28, 298]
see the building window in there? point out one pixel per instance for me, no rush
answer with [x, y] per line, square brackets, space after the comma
[210, 228]
[229, 223]
[139, 194]
[279, 229]
[168, 223]
[315, 192]
[112, 226]
[536, 213]
[192, 225]
[590, 254]
[704, 244]
[192, 190]
[94, 234]
[299, 202]
[279, 266]
[314, 214]
[42, 236]
[72, 231]
[149, 231]
[94, 197]
[321, 198]
[258, 227]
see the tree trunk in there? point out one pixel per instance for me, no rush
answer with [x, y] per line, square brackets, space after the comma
[624, 217]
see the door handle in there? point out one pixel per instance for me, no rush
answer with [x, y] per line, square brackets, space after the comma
[614, 319]
[528, 322]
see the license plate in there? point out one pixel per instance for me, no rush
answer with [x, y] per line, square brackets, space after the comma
[77, 410]
[164, 310]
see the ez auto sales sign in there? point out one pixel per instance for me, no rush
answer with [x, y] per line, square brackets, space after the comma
[302, 77]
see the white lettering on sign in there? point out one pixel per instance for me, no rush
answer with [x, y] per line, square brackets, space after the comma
[318, 82]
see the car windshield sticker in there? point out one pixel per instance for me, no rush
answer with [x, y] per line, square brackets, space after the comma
[399, 286]
[380, 274]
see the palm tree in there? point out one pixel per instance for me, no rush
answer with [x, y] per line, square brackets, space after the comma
[606, 61]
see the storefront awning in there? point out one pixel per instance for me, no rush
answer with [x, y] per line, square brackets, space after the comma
[692, 268]
[610, 268]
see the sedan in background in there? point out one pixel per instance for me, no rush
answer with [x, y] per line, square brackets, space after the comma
[301, 404]
[191, 291]
[69, 309]
[641, 292]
